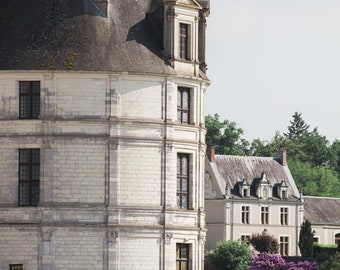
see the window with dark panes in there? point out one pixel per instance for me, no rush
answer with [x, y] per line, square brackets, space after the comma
[284, 216]
[183, 105]
[182, 256]
[29, 177]
[16, 267]
[183, 181]
[184, 41]
[264, 215]
[284, 246]
[29, 99]
[245, 215]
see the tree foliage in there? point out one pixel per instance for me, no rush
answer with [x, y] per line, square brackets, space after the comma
[230, 255]
[313, 161]
[264, 243]
[224, 135]
[297, 128]
[306, 239]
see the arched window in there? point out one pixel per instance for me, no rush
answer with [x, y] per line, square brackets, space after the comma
[337, 238]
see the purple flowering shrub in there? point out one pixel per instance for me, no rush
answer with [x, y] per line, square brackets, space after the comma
[266, 261]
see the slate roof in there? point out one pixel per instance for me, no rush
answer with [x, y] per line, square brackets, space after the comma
[322, 210]
[232, 169]
[77, 35]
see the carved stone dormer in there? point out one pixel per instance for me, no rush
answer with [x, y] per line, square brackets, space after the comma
[181, 35]
[243, 188]
[264, 188]
[282, 190]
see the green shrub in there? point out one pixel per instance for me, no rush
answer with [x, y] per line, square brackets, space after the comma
[333, 263]
[323, 253]
[230, 255]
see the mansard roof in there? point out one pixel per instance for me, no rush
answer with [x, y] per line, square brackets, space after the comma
[230, 170]
[322, 210]
[79, 35]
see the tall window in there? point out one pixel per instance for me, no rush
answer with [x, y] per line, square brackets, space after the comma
[245, 239]
[245, 214]
[184, 41]
[16, 267]
[29, 99]
[284, 245]
[183, 105]
[264, 215]
[183, 181]
[182, 257]
[284, 216]
[29, 177]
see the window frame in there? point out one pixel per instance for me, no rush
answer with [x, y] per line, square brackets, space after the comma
[284, 245]
[30, 167]
[264, 215]
[180, 259]
[29, 99]
[284, 216]
[184, 41]
[183, 179]
[245, 238]
[181, 107]
[17, 266]
[245, 213]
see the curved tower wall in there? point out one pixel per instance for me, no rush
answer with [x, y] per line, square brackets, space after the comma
[109, 144]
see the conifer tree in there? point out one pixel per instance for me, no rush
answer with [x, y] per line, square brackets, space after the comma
[306, 239]
[297, 127]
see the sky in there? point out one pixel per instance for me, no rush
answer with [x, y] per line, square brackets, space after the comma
[268, 59]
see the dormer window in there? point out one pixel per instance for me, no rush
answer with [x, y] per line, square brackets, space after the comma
[184, 41]
[243, 188]
[282, 190]
[264, 189]
[184, 36]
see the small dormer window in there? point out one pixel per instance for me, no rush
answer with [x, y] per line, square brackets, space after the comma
[282, 190]
[184, 41]
[243, 188]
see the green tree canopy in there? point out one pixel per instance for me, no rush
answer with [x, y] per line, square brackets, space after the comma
[297, 127]
[225, 136]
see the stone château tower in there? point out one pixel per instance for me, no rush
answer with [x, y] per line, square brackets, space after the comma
[102, 135]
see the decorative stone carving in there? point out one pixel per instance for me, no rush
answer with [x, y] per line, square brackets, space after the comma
[169, 147]
[201, 239]
[112, 236]
[168, 237]
[46, 235]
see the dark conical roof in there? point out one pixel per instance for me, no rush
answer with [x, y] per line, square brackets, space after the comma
[78, 35]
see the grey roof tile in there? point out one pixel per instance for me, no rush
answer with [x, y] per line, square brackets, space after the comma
[77, 35]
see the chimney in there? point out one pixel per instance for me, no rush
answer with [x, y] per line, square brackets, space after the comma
[211, 153]
[282, 155]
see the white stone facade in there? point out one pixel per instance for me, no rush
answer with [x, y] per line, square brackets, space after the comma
[108, 154]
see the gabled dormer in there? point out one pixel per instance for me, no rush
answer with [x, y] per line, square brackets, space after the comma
[264, 188]
[181, 35]
[243, 188]
[282, 190]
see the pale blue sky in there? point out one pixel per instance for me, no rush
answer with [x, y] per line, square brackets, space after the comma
[270, 58]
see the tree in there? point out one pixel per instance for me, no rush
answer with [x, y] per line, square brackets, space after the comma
[230, 255]
[297, 127]
[225, 136]
[306, 239]
[264, 243]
